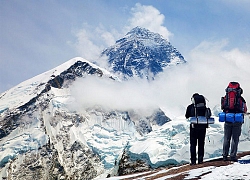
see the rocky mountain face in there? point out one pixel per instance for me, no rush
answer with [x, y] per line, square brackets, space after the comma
[37, 151]
[142, 53]
[11, 116]
[41, 137]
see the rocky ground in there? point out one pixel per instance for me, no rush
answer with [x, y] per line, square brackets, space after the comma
[184, 169]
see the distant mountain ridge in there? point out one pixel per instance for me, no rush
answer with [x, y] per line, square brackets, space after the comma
[141, 53]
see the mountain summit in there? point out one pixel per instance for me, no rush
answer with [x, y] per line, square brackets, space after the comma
[142, 53]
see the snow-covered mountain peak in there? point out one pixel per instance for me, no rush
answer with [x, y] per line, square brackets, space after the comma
[141, 53]
[56, 77]
[145, 36]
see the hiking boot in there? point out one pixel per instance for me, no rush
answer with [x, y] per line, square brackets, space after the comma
[192, 163]
[225, 158]
[233, 159]
[200, 160]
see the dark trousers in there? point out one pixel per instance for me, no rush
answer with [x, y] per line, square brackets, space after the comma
[197, 135]
[231, 131]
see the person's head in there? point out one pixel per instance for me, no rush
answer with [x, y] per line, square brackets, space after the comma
[192, 98]
[195, 94]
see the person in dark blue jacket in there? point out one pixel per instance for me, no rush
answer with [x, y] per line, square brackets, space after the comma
[197, 131]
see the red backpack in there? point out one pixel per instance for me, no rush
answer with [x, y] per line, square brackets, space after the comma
[233, 102]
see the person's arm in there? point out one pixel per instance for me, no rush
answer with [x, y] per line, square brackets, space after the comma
[245, 108]
[187, 115]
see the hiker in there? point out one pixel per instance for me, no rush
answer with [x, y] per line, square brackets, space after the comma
[233, 106]
[197, 131]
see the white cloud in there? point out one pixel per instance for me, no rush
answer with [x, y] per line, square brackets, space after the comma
[85, 45]
[92, 41]
[148, 17]
[107, 37]
[211, 67]
[209, 70]
[92, 91]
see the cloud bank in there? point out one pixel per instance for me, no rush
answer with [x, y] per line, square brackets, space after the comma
[210, 68]
[94, 91]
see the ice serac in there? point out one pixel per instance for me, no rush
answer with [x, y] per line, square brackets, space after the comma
[142, 53]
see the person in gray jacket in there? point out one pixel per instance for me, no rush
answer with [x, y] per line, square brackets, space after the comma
[232, 130]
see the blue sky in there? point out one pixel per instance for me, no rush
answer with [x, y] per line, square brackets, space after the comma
[36, 36]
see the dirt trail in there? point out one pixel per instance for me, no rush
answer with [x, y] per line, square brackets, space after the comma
[183, 170]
